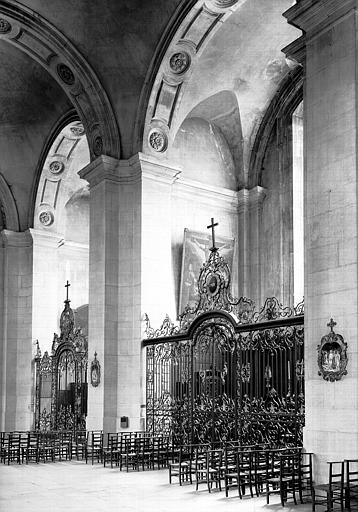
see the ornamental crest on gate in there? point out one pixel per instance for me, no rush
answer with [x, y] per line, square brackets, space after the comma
[332, 355]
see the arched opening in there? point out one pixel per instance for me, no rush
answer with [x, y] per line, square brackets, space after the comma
[61, 234]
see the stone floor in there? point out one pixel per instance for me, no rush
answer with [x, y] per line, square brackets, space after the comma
[75, 487]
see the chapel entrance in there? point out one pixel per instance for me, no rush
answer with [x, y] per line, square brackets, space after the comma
[227, 372]
[61, 379]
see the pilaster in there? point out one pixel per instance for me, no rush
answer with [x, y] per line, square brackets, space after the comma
[16, 330]
[249, 210]
[330, 196]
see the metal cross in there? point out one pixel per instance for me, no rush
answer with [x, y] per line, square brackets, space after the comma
[331, 324]
[67, 285]
[212, 227]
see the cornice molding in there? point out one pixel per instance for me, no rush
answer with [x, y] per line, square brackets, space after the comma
[313, 16]
[207, 194]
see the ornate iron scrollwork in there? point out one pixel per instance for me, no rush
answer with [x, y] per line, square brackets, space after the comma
[61, 378]
[227, 372]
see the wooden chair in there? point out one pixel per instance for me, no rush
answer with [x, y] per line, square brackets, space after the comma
[12, 448]
[94, 446]
[128, 454]
[32, 449]
[286, 482]
[47, 446]
[242, 475]
[79, 443]
[352, 484]
[305, 481]
[328, 494]
[210, 470]
[111, 451]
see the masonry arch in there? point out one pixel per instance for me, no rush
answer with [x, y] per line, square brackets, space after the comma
[32, 34]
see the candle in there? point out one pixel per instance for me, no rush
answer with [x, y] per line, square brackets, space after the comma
[288, 370]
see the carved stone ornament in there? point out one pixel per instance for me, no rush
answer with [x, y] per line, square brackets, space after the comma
[179, 62]
[5, 26]
[225, 3]
[158, 140]
[95, 371]
[98, 146]
[56, 167]
[77, 131]
[332, 355]
[65, 74]
[46, 218]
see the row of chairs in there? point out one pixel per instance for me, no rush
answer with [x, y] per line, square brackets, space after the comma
[246, 468]
[26, 447]
[341, 489]
[124, 449]
[253, 471]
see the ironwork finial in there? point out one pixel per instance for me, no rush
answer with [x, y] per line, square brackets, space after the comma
[331, 324]
[212, 227]
[67, 285]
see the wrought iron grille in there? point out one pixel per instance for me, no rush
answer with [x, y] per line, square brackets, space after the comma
[227, 372]
[61, 379]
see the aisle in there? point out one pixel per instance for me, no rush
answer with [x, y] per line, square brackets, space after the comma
[79, 488]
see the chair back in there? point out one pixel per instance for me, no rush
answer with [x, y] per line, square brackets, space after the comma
[336, 476]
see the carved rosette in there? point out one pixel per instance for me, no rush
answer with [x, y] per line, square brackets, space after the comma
[179, 62]
[158, 140]
[65, 73]
[224, 4]
[56, 167]
[77, 131]
[46, 218]
[5, 26]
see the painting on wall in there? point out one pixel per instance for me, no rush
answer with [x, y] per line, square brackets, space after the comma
[196, 248]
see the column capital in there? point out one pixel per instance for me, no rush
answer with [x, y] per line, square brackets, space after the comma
[16, 238]
[102, 168]
[313, 16]
[131, 170]
[250, 199]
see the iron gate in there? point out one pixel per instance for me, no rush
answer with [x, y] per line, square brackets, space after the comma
[226, 372]
[61, 379]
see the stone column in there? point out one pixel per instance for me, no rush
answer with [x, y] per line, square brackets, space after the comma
[130, 274]
[114, 292]
[330, 195]
[16, 330]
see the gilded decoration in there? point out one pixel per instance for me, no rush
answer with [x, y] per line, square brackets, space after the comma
[332, 355]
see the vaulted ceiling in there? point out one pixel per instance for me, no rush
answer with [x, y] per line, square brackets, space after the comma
[121, 40]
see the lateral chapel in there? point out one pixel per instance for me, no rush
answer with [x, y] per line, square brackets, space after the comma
[177, 177]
